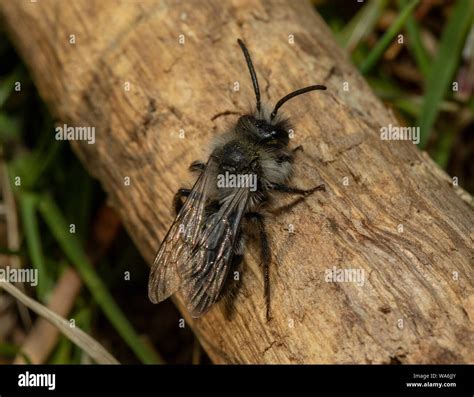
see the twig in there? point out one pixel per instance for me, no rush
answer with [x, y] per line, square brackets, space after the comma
[13, 239]
[94, 349]
[43, 336]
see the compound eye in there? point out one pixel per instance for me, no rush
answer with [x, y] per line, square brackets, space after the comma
[271, 134]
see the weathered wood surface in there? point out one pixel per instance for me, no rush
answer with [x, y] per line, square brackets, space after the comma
[411, 309]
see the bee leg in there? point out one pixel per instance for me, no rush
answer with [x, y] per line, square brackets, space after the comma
[297, 148]
[289, 157]
[265, 255]
[177, 202]
[197, 166]
[294, 190]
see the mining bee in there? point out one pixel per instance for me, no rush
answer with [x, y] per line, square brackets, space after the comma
[248, 164]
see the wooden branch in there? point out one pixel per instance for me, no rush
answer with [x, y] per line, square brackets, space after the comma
[389, 211]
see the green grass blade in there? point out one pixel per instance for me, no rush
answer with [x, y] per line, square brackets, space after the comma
[10, 128]
[443, 151]
[83, 317]
[11, 351]
[415, 45]
[444, 66]
[73, 250]
[7, 86]
[470, 104]
[33, 241]
[361, 24]
[9, 252]
[387, 38]
[43, 160]
[62, 352]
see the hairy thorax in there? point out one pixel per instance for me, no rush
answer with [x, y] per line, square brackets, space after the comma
[239, 160]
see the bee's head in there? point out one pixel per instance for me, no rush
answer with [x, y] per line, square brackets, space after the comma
[263, 131]
[267, 130]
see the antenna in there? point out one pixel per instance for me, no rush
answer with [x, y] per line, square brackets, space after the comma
[292, 95]
[253, 75]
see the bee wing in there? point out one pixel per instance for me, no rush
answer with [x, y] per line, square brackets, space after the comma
[204, 274]
[181, 238]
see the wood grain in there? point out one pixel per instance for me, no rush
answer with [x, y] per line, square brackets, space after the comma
[416, 304]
